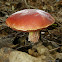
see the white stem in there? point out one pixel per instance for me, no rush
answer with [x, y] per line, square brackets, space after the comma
[33, 36]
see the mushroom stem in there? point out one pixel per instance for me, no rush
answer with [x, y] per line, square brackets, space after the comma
[33, 36]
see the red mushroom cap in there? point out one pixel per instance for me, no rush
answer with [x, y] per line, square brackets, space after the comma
[29, 19]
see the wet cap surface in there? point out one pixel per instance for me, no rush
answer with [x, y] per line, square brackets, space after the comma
[29, 19]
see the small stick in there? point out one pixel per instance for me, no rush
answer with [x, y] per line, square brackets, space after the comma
[53, 49]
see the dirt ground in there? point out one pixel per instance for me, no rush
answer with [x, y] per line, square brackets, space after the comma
[14, 44]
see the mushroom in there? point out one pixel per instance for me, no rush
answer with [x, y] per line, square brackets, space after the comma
[30, 20]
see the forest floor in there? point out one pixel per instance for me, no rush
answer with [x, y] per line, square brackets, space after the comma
[14, 46]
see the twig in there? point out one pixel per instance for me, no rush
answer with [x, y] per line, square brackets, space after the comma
[54, 49]
[26, 4]
[29, 6]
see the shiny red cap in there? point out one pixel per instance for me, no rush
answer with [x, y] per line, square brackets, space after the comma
[29, 20]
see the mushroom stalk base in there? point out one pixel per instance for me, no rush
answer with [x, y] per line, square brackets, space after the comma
[33, 36]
